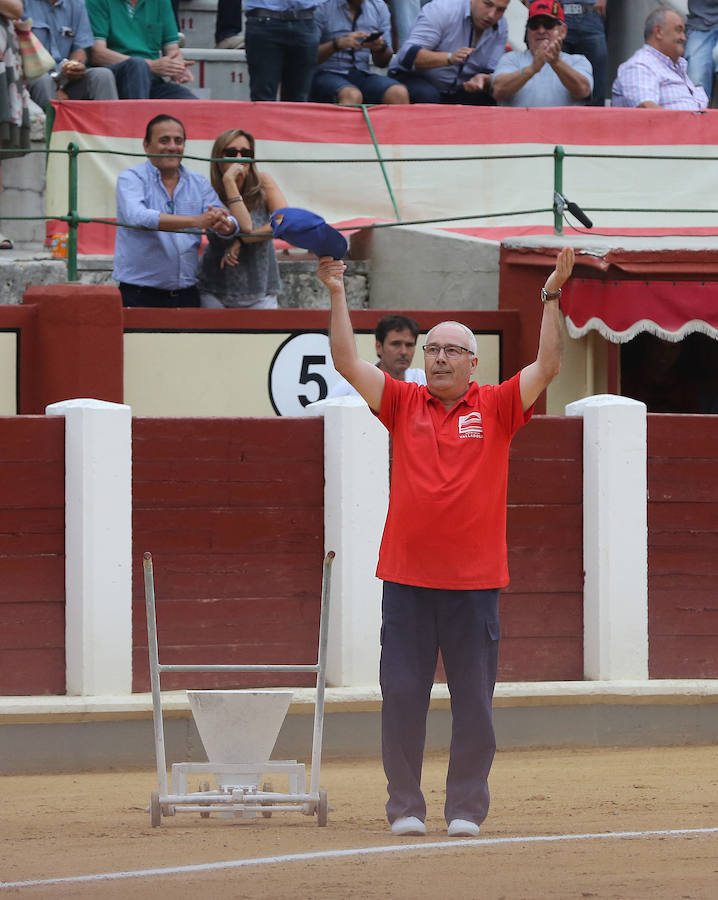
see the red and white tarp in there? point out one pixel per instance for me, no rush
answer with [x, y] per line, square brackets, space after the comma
[325, 158]
[619, 310]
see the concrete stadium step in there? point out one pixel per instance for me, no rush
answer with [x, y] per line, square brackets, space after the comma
[219, 74]
[197, 22]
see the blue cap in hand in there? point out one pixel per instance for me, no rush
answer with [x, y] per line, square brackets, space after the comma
[306, 229]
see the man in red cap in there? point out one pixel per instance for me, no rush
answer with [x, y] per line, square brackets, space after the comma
[543, 75]
[586, 33]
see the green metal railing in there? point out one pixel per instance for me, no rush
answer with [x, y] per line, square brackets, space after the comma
[559, 155]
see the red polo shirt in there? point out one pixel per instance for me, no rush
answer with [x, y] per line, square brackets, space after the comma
[446, 524]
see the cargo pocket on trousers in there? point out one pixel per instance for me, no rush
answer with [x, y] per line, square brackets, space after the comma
[494, 629]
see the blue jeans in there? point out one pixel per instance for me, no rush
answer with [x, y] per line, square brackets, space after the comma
[702, 56]
[587, 35]
[416, 623]
[280, 52]
[135, 82]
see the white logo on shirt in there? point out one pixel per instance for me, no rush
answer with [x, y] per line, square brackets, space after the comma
[470, 426]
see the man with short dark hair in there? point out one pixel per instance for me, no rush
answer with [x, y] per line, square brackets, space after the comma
[452, 50]
[656, 76]
[543, 75]
[395, 337]
[156, 262]
[443, 552]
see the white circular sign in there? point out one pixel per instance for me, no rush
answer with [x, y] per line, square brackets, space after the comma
[301, 373]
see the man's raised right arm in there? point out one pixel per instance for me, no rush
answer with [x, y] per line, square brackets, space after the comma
[362, 375]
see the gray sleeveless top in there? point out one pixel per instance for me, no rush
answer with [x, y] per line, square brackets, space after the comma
[256, 274]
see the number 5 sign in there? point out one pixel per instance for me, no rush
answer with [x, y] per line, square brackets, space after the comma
[301, 373]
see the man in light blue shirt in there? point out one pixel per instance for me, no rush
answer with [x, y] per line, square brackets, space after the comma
[586, 36]
[155, 264]
[543, 75]
[281, 41]
[451, 51]
[346, 54]
[63, 28]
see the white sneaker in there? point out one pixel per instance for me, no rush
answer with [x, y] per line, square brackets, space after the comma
[233, 42]
[408, 825]
[463, 828]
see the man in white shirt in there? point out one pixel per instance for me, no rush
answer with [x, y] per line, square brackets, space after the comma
[395, 344]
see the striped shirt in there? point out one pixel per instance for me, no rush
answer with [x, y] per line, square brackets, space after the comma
[649, 75]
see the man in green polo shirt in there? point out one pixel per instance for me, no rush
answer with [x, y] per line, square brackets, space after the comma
[137, 39]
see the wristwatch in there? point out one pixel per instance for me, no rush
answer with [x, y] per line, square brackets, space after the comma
[550, 295]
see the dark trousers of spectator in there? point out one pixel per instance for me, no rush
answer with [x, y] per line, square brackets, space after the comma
[280, 52]
[587, 36]
[421, 90]
[135, 82]
[464, 625]
[141, 295]
[229, 19]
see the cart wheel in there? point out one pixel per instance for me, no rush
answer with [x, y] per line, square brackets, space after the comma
[155, 810]
[267, 787]
[204, 786]
[323, 809]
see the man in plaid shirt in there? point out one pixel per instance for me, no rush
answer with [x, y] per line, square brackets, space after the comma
[656, 75]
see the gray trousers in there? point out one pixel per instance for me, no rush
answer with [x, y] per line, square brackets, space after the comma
[417, 623]
[95, 84]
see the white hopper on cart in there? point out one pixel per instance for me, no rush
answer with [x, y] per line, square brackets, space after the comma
[239, 727]
[238, 730]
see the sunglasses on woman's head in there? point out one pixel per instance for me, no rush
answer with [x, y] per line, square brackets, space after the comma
[242, 151]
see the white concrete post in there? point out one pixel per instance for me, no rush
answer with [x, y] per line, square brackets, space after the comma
[98, 546]
[356, 495]
[615, 537]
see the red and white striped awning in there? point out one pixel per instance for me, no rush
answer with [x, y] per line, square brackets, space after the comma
[619, 310]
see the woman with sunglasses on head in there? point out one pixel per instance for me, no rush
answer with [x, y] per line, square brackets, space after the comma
[243, 273]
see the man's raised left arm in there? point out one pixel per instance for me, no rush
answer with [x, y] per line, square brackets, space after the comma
[537, 376]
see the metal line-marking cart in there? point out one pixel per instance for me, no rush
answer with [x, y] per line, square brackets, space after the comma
[239, 787]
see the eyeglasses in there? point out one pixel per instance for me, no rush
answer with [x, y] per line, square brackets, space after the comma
[538, 22]
[241, 151]
[451, 351]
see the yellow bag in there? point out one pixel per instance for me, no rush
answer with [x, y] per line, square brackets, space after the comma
[36, 60]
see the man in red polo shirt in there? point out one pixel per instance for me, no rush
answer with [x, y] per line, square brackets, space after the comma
[443, 552]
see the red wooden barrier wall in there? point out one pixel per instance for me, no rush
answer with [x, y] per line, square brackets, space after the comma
[683, 546]
[232, 511]
[542, 609]
[32, 555]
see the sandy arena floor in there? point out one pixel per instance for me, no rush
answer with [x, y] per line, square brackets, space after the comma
[70, 825]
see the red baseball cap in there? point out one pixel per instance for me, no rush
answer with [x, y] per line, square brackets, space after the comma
[552, 9]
